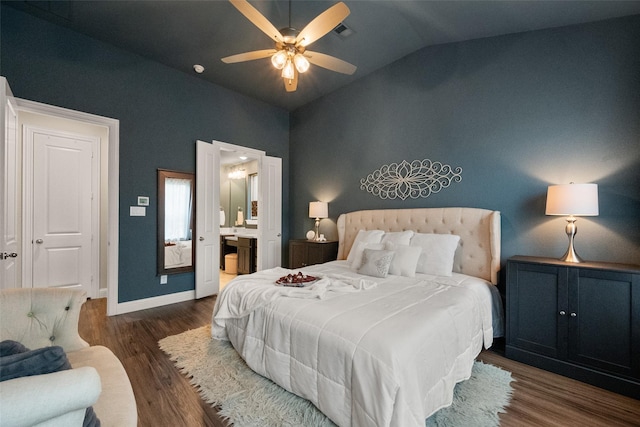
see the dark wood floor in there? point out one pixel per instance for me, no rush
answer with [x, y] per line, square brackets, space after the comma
[166, 398]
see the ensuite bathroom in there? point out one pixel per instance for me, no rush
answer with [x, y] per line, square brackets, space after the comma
[238, 215]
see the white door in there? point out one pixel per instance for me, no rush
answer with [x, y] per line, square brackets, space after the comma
[270, 214]
[207, 219]
[10, 276]
[64, 210]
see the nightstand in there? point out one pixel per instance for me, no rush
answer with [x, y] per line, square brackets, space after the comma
[308, 252]
[578, 320]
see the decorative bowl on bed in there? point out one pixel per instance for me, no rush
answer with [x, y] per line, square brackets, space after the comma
[297, 280]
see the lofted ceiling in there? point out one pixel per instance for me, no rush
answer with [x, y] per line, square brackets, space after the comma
[182, 33]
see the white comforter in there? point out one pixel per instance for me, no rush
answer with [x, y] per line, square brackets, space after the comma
[178, 254]
[365, 351]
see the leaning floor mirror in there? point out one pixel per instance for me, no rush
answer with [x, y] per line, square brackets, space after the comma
[176, 201]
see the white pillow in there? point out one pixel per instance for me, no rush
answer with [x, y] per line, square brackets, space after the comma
[437, 255]
[358, 250]
[405, 261]
[363, 236]
[398, 237]
[376, 262]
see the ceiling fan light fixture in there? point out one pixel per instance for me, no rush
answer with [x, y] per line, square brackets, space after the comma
[302, 64]
[289, 35]
[279, 59]
[288, 71]
[290, 54]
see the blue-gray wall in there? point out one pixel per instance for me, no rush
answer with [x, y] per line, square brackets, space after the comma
[515, 112]
[162, 112]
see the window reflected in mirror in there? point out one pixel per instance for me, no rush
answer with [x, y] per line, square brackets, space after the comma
[176, 202]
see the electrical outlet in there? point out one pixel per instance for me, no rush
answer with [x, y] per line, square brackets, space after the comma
[163, 279]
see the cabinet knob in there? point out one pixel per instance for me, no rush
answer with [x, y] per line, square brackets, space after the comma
[562, 312]
[573, 314]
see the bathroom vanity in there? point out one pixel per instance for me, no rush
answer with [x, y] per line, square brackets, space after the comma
[245, 245]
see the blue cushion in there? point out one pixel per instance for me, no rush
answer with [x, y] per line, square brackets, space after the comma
[35, 362]
[9, 347]
[90, 418]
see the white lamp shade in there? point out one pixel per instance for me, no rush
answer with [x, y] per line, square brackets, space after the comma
[301, 63]
[279, 59]
[572, 199]
[318, 210]
[288, 71]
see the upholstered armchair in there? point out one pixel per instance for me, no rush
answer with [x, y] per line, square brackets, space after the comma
[44, 317]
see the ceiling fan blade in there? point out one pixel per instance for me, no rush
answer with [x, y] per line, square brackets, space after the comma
[322, 24]
[249, 56]
[291, 85]
[330, 62]
[258, 19]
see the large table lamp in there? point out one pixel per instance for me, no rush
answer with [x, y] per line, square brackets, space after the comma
[318, 210]
[572, 200]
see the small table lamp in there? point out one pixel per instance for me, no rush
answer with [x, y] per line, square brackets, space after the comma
[572, 200]
[318, 210]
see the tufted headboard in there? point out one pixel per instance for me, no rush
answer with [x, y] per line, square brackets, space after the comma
[478, 252]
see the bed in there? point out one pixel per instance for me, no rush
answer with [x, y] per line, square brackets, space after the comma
[375, 349]
[177, 254]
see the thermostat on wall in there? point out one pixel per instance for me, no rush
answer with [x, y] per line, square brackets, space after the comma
[143, 200]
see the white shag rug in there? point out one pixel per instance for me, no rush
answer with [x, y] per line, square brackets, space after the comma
[248, 399]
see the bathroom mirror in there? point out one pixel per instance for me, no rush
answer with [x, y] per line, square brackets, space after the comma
[237, 200]
[176, 201]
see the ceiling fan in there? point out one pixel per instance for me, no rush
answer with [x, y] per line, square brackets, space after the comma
[290, 53]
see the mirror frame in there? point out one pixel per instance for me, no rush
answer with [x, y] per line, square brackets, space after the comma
[163, 174]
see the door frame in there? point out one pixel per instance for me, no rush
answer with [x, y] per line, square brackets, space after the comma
[113, 184]
[203, 289]
[10, 169]
[28, 183]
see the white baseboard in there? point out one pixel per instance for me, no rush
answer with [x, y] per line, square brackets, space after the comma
[143, 304]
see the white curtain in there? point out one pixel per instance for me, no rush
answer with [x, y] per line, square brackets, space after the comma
[177, 208]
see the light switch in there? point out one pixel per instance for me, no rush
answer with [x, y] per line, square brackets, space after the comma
[163, 279]
[137, 211]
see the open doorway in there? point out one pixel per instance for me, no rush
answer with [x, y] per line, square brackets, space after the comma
[235, 216]
[106, 132]
[239, 193]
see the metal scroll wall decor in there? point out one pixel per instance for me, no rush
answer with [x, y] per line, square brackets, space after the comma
[403, 180]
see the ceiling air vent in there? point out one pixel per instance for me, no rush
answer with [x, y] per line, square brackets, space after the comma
[343, 31]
